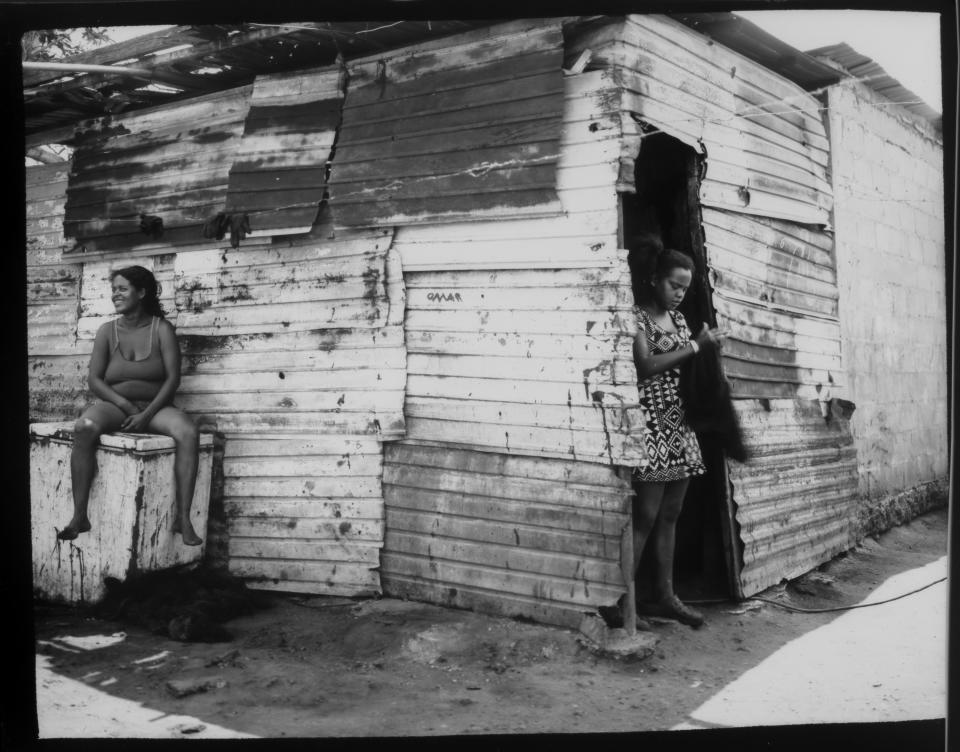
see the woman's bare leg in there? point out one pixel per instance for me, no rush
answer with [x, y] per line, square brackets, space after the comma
[173, 422]
[646, 506]
[97, 419]
[665, 537]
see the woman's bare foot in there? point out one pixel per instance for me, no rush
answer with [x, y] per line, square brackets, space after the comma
[189, 535]
[73, 529]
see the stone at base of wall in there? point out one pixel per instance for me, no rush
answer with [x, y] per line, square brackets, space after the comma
[878, 515]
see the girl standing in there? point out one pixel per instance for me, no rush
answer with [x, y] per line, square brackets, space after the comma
[662, 344]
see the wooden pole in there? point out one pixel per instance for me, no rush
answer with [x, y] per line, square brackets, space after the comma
[626, 568]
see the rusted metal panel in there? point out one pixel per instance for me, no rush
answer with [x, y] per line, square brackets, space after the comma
[279, 173]
[170, 162]
[463, 128]
[763, 137]
[775, 288]
[518, 536]
[304, 511]
[795, 500]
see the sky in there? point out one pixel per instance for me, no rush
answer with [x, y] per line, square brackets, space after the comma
[905, 44]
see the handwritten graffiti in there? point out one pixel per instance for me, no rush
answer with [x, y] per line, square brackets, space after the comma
[444, 297]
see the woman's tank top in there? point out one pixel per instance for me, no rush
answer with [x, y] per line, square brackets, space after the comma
[149, 368]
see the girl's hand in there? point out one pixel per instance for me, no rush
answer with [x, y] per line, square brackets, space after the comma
[711, 337]
[136, 423]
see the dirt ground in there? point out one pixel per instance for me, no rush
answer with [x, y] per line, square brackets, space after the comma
[325, 666]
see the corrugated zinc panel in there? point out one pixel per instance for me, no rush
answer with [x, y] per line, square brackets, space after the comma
[279, 174]
[581, 234]
[56, 367]
[795, 500]
[775, 288]
[763, 136]
[170, 162]
[465, 127]
[518, 536]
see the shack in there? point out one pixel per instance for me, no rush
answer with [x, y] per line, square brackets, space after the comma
[397, 257]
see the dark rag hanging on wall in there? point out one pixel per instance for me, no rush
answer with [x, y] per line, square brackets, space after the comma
[707, 403]
[217, 227]
[151, 225]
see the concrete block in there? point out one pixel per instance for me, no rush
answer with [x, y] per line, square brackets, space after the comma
[131, 509]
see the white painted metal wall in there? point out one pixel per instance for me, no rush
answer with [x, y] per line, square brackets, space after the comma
[56, 362]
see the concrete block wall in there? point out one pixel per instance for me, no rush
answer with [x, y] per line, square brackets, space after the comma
[887, 172]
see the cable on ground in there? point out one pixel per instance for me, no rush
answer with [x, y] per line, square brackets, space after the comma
[825, 610]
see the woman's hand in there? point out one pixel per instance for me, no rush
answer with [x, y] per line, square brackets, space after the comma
[136, 423]
[711, 337]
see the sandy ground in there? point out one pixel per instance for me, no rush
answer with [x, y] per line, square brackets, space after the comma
[311, 667]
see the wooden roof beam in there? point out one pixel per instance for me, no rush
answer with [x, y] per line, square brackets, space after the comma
[196, 52]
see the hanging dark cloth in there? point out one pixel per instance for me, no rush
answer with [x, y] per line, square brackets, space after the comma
[707, 403]
[238, 225]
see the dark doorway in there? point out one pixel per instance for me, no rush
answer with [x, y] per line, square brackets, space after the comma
[667, 175]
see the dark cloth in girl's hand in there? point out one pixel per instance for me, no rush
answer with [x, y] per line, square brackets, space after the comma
[708, 404]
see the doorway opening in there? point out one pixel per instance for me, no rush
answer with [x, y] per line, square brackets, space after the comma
[667, 173]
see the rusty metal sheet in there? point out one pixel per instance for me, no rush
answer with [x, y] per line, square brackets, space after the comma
[517, 536]
[795, 500]
[775, 288]
[465, 128]
[279, 173]
[171, 162]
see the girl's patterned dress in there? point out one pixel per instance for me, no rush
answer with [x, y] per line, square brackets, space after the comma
[671, 445]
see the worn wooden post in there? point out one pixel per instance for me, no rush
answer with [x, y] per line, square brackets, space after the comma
[626, 567]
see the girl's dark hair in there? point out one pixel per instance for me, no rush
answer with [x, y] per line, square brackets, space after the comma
[650, 261]
[143, 279]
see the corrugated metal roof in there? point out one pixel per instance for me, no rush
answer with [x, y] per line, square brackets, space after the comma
[875, 77]
[279, 174]
[463, 128]
[192, 60]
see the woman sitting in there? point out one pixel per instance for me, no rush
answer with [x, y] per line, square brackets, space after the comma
[134, 371]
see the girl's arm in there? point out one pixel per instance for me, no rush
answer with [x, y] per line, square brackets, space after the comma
[649, 365]
[99, 359]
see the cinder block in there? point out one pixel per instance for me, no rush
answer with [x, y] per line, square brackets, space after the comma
[132, 503]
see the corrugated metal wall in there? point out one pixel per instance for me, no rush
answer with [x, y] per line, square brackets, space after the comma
[518, 536]
[796, 497]
[767, 152]
[56, 365]
[279, 173]
[518, 330]
[171, 162]
[458, 128]
[765, 200]
[296, 354]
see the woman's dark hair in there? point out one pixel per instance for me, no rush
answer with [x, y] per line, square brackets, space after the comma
[143, 279]
[650, 261]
